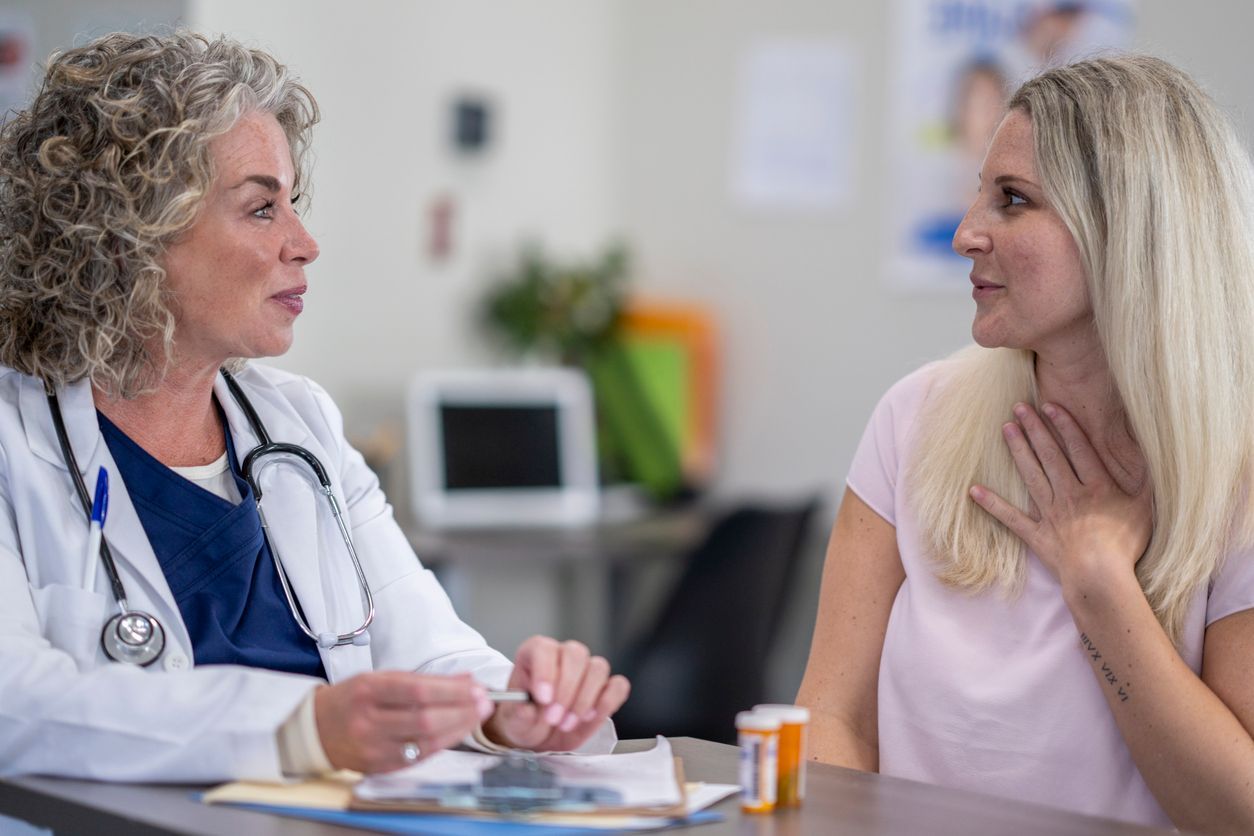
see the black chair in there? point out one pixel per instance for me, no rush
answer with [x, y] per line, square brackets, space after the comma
[706, 656]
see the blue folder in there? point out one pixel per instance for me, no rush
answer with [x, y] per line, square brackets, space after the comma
[437, 825]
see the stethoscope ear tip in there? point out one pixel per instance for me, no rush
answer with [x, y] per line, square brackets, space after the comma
[362, 640]
[327, 640]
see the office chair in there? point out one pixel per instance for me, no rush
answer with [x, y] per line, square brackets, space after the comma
[705, 658]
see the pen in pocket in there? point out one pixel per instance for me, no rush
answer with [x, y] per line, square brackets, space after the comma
[95, 530]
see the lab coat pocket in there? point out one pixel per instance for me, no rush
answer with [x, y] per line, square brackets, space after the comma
[71, 619]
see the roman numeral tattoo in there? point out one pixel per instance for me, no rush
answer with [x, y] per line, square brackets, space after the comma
[1122, 688]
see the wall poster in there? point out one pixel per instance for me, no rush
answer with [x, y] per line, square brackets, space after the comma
[956, 61]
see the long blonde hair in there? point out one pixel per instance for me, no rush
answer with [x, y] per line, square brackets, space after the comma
[1155, 188]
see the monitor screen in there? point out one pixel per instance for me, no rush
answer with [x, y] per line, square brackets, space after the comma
[489, 446]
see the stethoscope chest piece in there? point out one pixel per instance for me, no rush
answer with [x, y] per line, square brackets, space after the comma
[134, 638]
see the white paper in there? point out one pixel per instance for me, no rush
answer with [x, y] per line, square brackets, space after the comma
[794, 145]
[645, 779]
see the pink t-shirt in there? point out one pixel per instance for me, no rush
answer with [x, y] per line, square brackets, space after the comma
[994, 694]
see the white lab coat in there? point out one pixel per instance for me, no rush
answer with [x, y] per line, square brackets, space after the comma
[65, 709]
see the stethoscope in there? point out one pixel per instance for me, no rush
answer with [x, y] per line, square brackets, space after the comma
[134, 637]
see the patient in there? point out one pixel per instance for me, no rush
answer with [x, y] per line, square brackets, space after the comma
[150, 247]
[1041, 580]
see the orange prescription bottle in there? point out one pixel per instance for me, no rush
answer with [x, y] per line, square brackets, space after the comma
[794, 721]
[759, 750]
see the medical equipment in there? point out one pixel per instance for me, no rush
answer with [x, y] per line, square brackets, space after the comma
[137, 638]
[132, 637]
[249, 469]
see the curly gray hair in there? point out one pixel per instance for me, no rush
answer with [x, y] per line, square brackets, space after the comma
[106, 168]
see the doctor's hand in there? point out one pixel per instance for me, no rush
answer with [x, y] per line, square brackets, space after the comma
[572, 693]
[367, 722]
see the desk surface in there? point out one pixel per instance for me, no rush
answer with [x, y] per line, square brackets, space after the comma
[840, 800]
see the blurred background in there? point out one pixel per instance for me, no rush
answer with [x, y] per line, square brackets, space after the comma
[774, 183]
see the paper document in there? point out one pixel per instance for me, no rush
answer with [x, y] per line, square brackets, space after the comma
[643, 780]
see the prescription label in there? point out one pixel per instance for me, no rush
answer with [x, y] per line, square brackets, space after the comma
[758, 758]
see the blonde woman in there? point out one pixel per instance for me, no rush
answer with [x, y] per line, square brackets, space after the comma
[150, 247]
[1041, 581]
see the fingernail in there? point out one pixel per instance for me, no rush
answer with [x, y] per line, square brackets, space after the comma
[589, 715]
[1049, 410]
[976, 493]
[1020, 410]
[478, 692]
[485, 708]
[569, 722]
[554, 714]
[543, 692]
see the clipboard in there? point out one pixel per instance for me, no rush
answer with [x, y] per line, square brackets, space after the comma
[675, 810]
[648, 783]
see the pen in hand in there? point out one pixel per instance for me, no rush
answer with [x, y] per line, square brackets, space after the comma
[95, 530]
[509, 696]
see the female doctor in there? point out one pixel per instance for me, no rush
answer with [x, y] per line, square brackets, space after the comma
[149, 246]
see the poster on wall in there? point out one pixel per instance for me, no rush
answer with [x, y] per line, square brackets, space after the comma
[956, 61]
[17, 55]
[794, 126]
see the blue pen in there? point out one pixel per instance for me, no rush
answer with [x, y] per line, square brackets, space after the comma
[95, 530]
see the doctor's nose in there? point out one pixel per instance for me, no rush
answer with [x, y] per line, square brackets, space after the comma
[300, 246]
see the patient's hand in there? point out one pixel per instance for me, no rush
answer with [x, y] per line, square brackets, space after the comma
[572, 692]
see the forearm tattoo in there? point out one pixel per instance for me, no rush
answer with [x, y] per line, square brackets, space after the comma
[1122, 688]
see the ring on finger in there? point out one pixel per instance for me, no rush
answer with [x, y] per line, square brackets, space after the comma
[410, 752]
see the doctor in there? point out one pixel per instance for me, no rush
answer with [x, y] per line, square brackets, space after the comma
[149, 239]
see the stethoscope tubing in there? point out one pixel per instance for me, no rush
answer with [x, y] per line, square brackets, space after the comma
[249, 467]
[130, 637]
[80, 487]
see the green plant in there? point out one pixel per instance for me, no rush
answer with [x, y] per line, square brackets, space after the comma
[560, 311]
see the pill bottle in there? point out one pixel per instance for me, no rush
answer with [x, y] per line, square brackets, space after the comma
[759, 750]
[794, 722]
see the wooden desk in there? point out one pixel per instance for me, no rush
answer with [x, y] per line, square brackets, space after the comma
[840, 801]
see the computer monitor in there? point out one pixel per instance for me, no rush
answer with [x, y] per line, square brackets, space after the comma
[500, 447]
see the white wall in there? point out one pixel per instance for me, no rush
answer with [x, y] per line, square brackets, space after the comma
[383, 74]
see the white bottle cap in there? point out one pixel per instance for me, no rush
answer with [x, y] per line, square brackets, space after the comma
[753, 721]
[786, 713]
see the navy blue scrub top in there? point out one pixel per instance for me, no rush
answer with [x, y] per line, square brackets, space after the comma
[216, 562]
